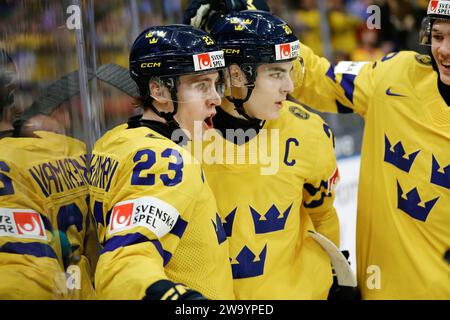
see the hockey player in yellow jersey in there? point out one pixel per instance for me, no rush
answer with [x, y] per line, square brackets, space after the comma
[268, 204]
[44, 220]
[43, 209]
[403, 220]
[156, 215]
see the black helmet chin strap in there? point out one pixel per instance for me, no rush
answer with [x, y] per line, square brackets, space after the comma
[250, 72]
[168, 116]
[239, 103]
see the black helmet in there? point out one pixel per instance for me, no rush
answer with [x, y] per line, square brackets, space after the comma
[253, 37]
[169, 51]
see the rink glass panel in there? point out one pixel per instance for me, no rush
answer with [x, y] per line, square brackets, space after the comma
[47, 244]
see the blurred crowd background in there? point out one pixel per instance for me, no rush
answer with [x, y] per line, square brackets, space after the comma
[34, 33]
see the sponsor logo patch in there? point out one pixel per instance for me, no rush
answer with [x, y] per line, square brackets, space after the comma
[21, 223]
[151, 213]
[287, 50]
[209, 60]
[433, 6]
[439, 7]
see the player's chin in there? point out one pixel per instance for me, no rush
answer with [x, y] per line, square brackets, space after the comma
[273, 114]
[445, 77]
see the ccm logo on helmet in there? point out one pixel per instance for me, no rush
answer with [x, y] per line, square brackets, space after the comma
[209, 60]
[150, 64]
[232, 51]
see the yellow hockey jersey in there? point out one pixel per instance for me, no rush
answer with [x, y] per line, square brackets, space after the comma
[43, 218]
[403, 219]
[157, 217]
[270, 191]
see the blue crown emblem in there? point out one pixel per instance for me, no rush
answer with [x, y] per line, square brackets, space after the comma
[229, 220]
[410, 205]
[246, 266]
[220, 231]
[396, 157]
[441, 179]
[273, 220]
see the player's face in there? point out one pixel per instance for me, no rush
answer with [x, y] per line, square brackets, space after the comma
[440, 48]
[197, 101]
[273, 83]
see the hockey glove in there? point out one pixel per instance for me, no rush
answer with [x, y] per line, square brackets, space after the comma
[203, 13]
[197, 13]
[167, 290]
[339, 292]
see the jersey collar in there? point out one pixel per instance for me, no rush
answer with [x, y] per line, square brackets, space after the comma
[162, 128]
[223, 121]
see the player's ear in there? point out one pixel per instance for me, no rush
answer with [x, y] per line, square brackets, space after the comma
[158, 91]
[237, 76]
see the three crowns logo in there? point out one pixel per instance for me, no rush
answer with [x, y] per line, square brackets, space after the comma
[397, 157]
[411, 206]
[271, 221]
[151, 34]
[247, 267]
[240, 23]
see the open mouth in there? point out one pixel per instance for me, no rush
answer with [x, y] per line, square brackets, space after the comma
[209, 122]
[279, 104]
[446, 65]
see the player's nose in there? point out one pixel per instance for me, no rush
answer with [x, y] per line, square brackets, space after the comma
[288, 86]
[213, 98]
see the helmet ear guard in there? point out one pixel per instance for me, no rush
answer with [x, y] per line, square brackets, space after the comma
[250, 73]
[425, 32]
[158, 88]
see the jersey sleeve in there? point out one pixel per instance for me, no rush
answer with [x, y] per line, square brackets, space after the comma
[342, 88]
[146, 215]
[318, 193]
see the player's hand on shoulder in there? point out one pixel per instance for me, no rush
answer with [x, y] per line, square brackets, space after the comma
[203, 13]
